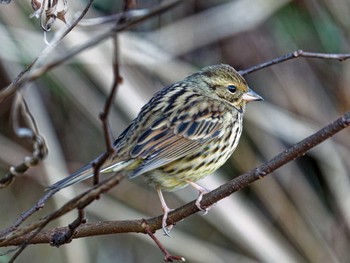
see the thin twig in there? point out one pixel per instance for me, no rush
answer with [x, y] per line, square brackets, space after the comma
[29, 131]
[39, 205]
[105, 113]
[79, 201]
[295, 54]
[128, 21]
[20, 80]
[167, 256]
[117, 79]
[68, 235]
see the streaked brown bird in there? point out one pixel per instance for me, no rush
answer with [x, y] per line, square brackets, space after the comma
[185, 132]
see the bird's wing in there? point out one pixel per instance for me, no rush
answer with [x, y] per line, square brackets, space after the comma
[178, 134]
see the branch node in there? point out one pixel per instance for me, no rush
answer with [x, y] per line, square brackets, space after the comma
[119, 80]
[345, 121]
[60, 238]
[297, 53]
[259, 174]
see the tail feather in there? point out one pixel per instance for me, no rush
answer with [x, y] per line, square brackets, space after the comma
[87, 171]
[83, 173]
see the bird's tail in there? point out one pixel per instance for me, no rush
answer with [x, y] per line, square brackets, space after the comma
[87, 171]
[83, 173]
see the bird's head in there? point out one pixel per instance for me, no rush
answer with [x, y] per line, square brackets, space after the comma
[225, 83]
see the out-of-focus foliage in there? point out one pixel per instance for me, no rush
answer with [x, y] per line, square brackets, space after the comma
[301, 213]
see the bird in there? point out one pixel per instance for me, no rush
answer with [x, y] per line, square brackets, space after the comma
[185, 132]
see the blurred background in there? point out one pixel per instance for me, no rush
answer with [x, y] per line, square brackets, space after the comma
[300, 213]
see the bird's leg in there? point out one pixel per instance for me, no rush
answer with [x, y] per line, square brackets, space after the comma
[166, 210]
[202, 191]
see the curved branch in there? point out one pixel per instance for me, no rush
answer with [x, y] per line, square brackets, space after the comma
[127, 19]
[153, 224]
[19, 79]
[130, 19]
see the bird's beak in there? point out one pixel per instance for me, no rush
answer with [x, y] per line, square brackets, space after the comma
[251, 96]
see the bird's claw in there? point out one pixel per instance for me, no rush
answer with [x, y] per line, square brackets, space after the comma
[199, 206]
[202, 191]
[166, 228]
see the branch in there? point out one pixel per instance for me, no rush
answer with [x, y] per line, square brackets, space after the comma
[20, 80]
[167, 256]
[130, 19]
[125, 226]
[66, 237]
[28, 131]
[127, 19]
[79, 201]
[82, 201]
[295, 54]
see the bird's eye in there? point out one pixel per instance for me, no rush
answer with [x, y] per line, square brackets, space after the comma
[232, 88]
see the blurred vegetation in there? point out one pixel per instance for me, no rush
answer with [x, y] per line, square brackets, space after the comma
[301, 213]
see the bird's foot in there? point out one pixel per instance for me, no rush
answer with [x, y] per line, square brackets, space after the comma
[202, 191]
[166, 228]
[166, 210]
[198, 202]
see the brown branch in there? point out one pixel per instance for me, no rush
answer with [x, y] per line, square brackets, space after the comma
[295, 54]
[167, 256]
[84, 200]
[129, 20]
[60, 238]
[29, 131]
[39, 144]
[107, 107]
[117, 79]
[19, 81]
[181, 213]
[67, 236]
[39, 205]
[103, 228]
[79, 201]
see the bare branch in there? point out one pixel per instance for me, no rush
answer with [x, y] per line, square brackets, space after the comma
[19, 81]
[60, 238]
[295, 54]
[40, 204]
[68, 235]
[32, 233]
[79, 201]
[167, 256]
[29, 131]
[128, 21]
[102, 228]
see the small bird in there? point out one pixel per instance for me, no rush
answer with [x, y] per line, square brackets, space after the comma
[185, 132]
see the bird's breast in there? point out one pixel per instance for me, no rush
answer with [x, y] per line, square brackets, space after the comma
[199, 163]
